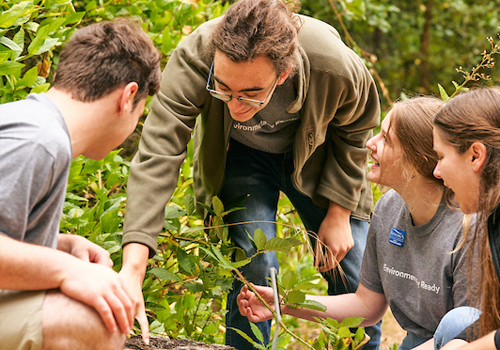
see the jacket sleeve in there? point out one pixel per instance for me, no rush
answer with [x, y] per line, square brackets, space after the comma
[155, 168]
[357, 112]
[347, 102]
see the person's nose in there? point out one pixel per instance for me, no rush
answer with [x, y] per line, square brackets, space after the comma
[235, 105]
[437, 172]
[371, 144]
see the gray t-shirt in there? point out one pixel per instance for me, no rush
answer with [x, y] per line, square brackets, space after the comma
[272, 129]
[413, 265]
[35, 155]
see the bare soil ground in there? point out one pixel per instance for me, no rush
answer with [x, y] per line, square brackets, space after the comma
[391, 333]
[160, 343]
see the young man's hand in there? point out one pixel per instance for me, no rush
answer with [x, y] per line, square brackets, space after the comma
[135, 259]
[103, 289]
[83, 249]
[334, 238]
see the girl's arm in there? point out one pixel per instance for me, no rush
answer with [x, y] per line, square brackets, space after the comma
[485, 343]
[364, 303]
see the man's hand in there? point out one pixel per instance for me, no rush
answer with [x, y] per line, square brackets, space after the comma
[103, 289]
[251, 307]
[135, 259]
[96, 285]
[334, 238]
[84, 249]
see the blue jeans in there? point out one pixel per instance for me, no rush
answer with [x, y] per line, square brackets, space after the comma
[452, 324]
[263, 175]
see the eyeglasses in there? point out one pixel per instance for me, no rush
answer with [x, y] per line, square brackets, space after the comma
[226, 97]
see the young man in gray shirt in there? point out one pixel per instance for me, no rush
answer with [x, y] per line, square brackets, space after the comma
[58, 291]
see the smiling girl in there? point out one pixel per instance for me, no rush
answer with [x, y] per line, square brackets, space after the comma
[467, 141]
[410, 263]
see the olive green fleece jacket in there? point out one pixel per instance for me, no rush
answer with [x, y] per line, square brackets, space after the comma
[339, 107]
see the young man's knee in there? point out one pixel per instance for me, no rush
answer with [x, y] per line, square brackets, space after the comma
[70, 324]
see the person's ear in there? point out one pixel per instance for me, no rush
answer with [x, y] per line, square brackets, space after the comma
[284, 75]
[126, 101]
[477, 155]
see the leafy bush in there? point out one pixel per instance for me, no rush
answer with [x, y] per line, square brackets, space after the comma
[186, 282]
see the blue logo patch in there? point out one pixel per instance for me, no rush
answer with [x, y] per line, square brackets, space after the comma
[397, 237]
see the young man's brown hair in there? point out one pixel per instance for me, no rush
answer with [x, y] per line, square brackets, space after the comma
[254, 28]
[104, 56]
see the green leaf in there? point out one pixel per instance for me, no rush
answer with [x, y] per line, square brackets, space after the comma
[12, 45]
[279, 244]
[294, 242]
[29, 78]
[239, 254]
[357, 7]
[74, 197]
[210, 329]
[48, 44]
[259, 238]
[443, 93]
[222, 260]
[74, 18]
[8, 18]
[295, 297]
[194, 287]
[166, 44]
[19, 40]
[9, 67]
[218, 206]
[256, 331]
[304, 286]
[91, 5]
[360, 334]
[189, 204]
[247, 337]
[185, 262]
[172, 212]
[241, 263]
[351, 322]
[40, 37]
[4, 56]
[111, 246]
[209, 252]
[332, 323]
[344, 332]
[54, 23]
[289, 280]
[313, 305]
[41, 88]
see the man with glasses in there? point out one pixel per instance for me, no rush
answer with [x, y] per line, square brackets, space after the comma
[277, 103]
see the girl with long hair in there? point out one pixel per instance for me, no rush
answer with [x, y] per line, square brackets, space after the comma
[411, 261]
[467, 141]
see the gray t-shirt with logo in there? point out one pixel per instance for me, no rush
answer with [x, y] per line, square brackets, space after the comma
[413, 265]
[35, 155]
[272, 129]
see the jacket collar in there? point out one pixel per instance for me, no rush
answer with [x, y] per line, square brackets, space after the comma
[301, 80]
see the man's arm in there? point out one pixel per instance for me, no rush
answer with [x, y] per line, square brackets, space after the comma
[25, 266]
[154, 171]
[135, 261]
[334, 238]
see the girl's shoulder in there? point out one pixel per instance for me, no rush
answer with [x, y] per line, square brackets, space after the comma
[388, 200]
